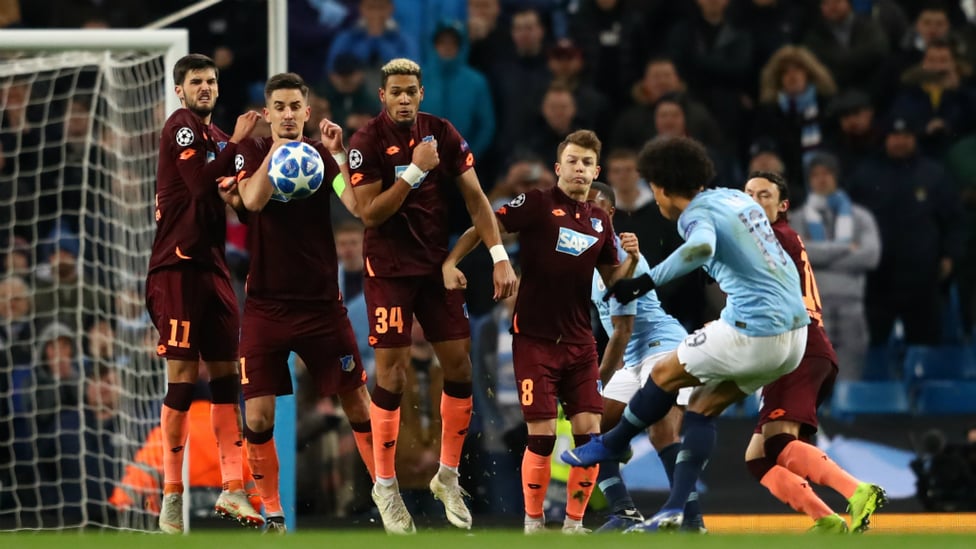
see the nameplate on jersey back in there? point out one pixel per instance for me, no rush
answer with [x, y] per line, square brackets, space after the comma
[574, 243]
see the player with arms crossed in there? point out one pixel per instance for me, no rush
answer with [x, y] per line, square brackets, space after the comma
[404, 164]
[641, 333]
[188, 288]
[293, 301]
[562, 239]
[760, 336]
[780, 454]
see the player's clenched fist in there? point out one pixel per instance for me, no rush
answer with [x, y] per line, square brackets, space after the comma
[331, 136]
[453, 277]
[425, 155]
[628, 241]
[505, 280]
[245, 125]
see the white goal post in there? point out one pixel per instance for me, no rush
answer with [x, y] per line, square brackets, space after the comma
[80, 383]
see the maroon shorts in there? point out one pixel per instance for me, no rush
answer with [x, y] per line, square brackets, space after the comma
[195, 312]
[797, 395]
[392, 302]
[546, 371]
[323, 339]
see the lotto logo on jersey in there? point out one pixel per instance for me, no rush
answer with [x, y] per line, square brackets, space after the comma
[574, 243]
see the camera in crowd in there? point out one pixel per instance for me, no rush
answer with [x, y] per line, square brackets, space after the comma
[946, 472]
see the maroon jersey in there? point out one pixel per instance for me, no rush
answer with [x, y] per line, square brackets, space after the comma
[817, 343]
[413, 241]
[191, 226]
[561, 241]
[293, 253]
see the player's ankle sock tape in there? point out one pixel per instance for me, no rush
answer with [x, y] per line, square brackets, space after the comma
[179, 396]
[775, 445]
[259, 437]
[760, 466]
[361, 426]
[457, 389]
[668, 456]
[225, 389]
[386, 400]
[699, 440]
[541, 445]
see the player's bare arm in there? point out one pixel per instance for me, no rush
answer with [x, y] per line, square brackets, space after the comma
[453, 277]
[376, 206]
[256, 190]
[486, 225]
[626, 268]
[332, 139]
[201, 176]
[227, 189]
[613, 356]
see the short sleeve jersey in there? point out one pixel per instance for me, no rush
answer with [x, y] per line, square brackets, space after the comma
[413, 241]
[293, 253]
[191, 224]
[818, 345]
[561, 241]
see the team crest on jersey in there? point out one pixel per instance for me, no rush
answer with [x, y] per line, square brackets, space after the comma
[355, 159]
[597, 224]
[574, 243]
[221, 145]
[184, 136]
[348, 363]
[517, 201]
[238, 162]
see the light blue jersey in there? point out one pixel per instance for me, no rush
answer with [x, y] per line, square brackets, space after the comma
[729, 235]
[655, 331]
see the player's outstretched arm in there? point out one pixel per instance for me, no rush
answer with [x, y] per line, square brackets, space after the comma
[376, 206]
[626, 268]
[227, 188]
[453, 277]
[332, 139]
[613, 356]
[201, 176]
[486, 225]
[256, 190]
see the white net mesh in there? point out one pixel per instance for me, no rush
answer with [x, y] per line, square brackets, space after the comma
[80, 385]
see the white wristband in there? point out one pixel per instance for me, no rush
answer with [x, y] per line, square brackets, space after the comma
[413, 175]
[340, 157]
[498, 253]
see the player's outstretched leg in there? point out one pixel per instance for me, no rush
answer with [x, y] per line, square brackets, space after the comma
[795, 491]
[225, 417]
[456, 417]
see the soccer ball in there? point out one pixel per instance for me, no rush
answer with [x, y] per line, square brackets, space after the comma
[296, 171]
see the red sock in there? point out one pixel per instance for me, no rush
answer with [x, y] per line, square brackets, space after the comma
[810, 462]
[579, 487]
[364, 443]
[386, 428]
[175, 426]
[792, 490]
[226, 422]
[263, 460]
[455, 418]
[535, 481]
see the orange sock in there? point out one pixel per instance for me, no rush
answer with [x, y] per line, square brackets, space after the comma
[364, 443]
[579, 487]
[386, 428]
[536, 470]
[226, 422]
[810, 462]
[175, 426]
[455, 418]
[263, 459]
[792, 490]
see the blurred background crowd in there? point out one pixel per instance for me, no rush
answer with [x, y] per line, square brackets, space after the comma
[868, 107]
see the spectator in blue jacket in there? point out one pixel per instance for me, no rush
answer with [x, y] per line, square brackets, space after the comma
[375, 39]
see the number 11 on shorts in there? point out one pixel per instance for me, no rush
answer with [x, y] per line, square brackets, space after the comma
[387, 318]
[174, 328]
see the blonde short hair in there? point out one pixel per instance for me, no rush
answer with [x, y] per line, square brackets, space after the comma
[400, 66]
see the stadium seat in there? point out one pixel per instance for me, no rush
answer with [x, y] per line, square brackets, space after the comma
[945, 362]
[946, 397]
[881, 362]
[852, 398]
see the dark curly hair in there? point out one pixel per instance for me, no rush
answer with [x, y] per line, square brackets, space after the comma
[679, 165]
[775, 179]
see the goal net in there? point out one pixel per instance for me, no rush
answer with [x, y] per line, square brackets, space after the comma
[80, 384]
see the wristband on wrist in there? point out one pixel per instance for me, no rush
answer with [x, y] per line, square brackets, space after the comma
[413, 175]
[498, 253]
[340, 157]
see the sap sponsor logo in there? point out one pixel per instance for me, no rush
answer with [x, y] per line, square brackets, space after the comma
[574, 243]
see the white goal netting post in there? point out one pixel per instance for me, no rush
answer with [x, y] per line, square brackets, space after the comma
[80, 384]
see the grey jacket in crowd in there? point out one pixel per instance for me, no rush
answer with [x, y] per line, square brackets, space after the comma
[840, 270]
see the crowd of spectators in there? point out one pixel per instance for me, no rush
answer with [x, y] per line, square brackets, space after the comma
[868, 107]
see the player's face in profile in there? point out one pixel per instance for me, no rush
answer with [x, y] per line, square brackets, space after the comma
[287, 112]
[766, 194]
[577, 168]
[598, 199]
[401, 97]
[198, 91]
[665, 204]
